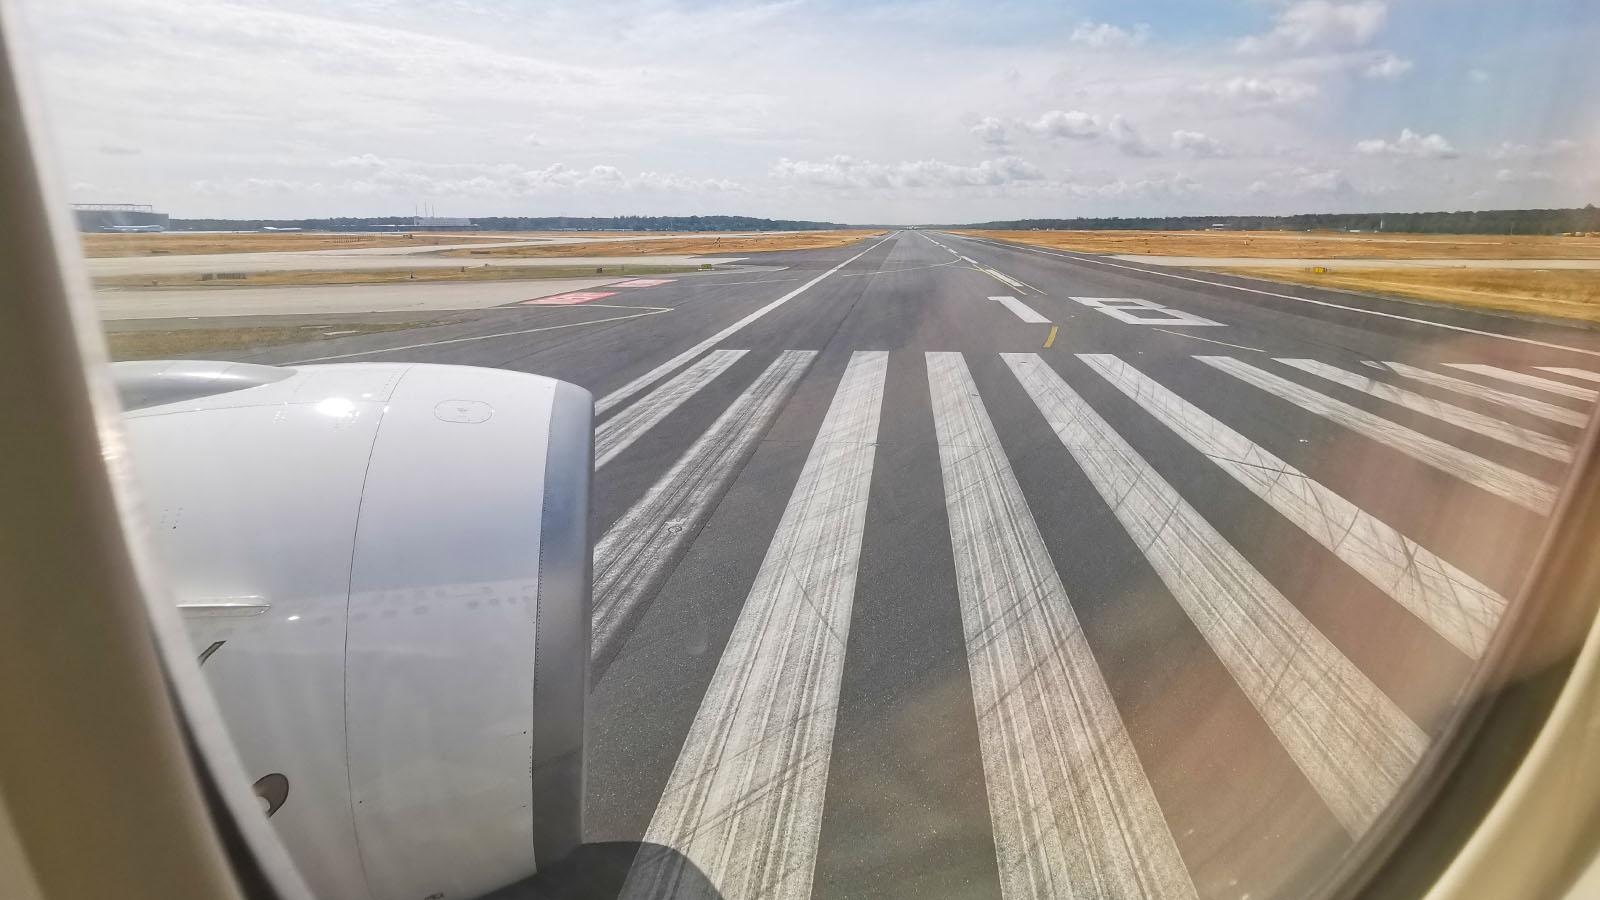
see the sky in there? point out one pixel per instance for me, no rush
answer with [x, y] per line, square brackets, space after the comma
[894, 112]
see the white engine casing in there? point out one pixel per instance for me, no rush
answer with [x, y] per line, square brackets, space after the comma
[385, 569]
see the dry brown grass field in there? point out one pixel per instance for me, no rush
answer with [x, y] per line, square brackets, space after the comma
[705, 243]
[1296, 244]
[1563, 293]
[153, 344]
[181, 244]
[1560, 293]
[377, 276]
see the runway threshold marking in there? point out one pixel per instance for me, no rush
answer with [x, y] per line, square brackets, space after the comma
[1488, 394]
[643, 311]
[617, 433]
[1072, 810]
[635, 553]
[1051, 340]
[743, 804]
[1327, 303]
[1573, 373]
[1457, 606]
[1526, 380]
[1501, 480]
[1353, 744]
[1461, 417]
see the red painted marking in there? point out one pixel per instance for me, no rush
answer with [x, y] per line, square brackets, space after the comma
[568, 299]
[643, 282]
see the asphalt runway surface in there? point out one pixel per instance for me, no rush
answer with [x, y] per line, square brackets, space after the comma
[1134, 583]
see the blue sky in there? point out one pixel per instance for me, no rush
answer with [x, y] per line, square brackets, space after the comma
[904, 111]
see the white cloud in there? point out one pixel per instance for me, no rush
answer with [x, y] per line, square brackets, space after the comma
[1075, 125]
[1511, 150]
[1127, 138]
[109, 149]
[1309, 23]
[1410, 143]
[1176, 184]
[1104, 35]
[1196, 143]
[248, 187]
[1301, 182]
[1478, 76]
[992, 131]
[369, 161]
[1389, 68]
[1246, 91]
[1530, 176]
[846, 172]
[376, 176]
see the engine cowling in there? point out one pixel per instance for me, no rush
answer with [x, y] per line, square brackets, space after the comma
[384, 569]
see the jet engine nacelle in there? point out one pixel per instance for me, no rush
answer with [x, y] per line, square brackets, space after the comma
[384, 569]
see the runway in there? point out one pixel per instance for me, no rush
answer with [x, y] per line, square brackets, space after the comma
[937, 567]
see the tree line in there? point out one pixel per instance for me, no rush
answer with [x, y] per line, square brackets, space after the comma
[1485, 221]
[516, 223]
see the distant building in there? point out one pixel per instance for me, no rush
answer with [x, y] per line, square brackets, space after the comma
[103, 217]
[432, 223]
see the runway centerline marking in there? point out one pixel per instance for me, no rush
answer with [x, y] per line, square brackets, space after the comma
[644, 311]
[743, 804]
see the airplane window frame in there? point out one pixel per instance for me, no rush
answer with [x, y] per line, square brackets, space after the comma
[165, 766]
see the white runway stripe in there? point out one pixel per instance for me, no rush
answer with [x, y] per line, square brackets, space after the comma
[617, 433]
[1351, 741]
[1488, 426]
[1583, 374]
[1478, 391]
[604, 404]
[1502, 481]
[632, 555]
[1072, 811]
[1526, 380]
[744, 802]
[1003, 277]
[1023, 310]
[1451, 602]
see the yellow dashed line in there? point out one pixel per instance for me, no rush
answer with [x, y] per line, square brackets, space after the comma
[1052, 338]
